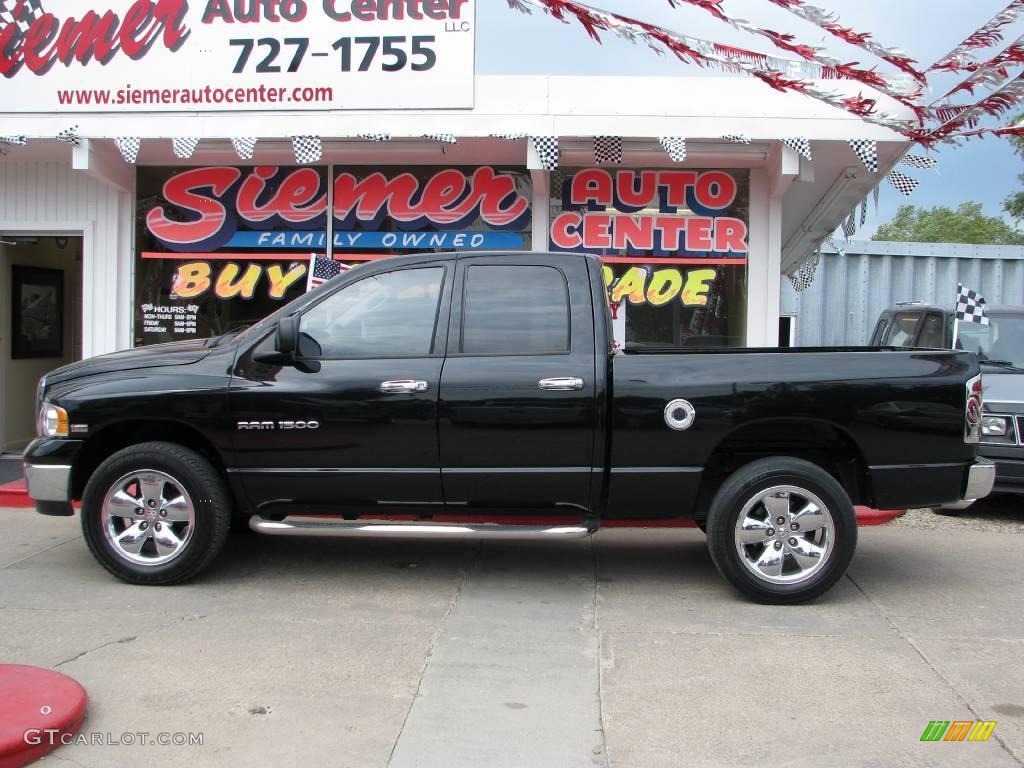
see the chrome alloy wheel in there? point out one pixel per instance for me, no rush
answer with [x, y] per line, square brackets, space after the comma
[784, 534]
[149, 517]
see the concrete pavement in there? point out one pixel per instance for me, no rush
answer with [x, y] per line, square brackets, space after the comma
[627, 650]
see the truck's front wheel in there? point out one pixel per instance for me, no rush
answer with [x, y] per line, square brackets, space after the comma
[155, 513]
[781, 530]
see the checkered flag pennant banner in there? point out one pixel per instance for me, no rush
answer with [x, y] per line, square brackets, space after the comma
[244, 146]
[799, 145]
[375, 136]
[831, 241]
[547, 150]
[904, 184]
[444, 138]
[70, 136]
[322, 269]
[307, 149]
[864, 212]
[21, 13]
[867, 151]
[18, 140]
[184, 147]
[737, 138]
[608, 149]
[675, 147]
[128, 146]
[849, 226]
[919, 161]
[970, 306]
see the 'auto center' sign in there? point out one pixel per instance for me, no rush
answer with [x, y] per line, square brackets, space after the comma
[210, 55]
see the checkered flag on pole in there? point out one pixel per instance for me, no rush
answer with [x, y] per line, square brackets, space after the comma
[970, 306]
[322, 269]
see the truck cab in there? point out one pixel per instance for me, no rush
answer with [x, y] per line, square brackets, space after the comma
[1000, 350]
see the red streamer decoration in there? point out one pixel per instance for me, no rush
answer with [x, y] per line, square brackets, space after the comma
[960, 59]
[789, 43]
[703, 53]
[829, 22]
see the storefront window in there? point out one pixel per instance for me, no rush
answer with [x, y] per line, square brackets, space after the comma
[674, 246]
[221, 247]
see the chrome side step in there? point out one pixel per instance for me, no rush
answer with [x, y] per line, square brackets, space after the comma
[319, 526]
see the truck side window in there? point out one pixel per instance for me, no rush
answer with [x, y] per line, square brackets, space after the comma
[515, 310]
[903, 329]
[387, 315]
[879, 335]
[931, 332]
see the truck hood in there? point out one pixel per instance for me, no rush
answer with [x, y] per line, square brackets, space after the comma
[1003, 387]
[152, 356]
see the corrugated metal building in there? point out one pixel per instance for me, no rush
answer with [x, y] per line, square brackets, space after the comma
[851, 289]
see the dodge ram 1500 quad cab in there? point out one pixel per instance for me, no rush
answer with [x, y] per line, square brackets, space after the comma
[414, 394]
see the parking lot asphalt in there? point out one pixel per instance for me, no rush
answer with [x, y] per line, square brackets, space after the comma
[624, 650]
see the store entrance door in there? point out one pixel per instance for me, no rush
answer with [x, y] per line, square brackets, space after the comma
[40, 323]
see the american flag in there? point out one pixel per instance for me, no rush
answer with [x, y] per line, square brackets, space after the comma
[322, 269]
[970, 306]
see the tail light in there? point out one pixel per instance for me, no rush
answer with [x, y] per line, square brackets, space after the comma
[973, 411]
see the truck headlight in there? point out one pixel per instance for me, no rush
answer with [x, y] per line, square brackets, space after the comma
[993, 426]
[53, 421]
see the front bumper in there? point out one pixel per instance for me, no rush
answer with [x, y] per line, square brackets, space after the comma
[48, 465]
[48, 482]
[981, 477]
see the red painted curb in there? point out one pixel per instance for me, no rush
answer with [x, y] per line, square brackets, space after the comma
[38, 707]
[15, 494]
[866, 517]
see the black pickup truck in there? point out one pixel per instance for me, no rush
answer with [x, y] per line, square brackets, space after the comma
[479, 395]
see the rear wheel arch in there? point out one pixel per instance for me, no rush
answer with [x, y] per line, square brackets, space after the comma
[820, 442]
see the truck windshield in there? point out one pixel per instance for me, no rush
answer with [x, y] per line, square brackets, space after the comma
[1001, 340]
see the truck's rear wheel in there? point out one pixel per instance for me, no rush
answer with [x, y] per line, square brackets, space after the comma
[155, 513]
[781, 530]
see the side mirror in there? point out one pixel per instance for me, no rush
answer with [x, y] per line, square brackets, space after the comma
[287, 335]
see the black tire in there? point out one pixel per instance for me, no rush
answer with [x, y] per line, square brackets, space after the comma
[745, 487]
[201, 537]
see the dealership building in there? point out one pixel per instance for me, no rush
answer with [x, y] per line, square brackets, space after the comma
[177, 210]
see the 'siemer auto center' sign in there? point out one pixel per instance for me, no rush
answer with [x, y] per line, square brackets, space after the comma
[215, 55]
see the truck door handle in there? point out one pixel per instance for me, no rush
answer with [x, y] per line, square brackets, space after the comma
[562, 383]
[402, 386]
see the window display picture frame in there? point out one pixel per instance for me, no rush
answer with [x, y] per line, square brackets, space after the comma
[37, 312]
